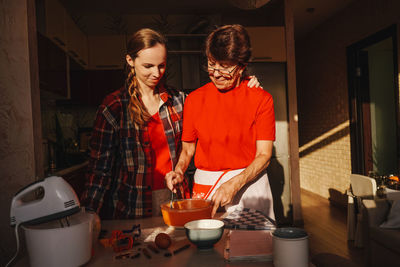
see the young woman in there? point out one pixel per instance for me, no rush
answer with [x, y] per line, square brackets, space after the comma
[231, 127]
[136, 135]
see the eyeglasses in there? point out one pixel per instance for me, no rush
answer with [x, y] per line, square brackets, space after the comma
[224, 72]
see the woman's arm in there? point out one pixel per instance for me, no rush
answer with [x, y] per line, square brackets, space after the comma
[226, 192]
[176, 176]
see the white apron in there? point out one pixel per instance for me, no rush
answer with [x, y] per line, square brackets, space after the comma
[254, 195]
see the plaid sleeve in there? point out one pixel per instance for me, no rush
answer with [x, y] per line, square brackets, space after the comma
[102, 146]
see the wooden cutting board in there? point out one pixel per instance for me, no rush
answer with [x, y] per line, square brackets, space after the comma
[253, 245]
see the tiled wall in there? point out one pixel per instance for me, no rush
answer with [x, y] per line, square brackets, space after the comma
[325, 158]
[71, 118]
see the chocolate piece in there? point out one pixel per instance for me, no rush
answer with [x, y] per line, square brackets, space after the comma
[122, 256]
[137, 255]
[153, 248]
[162, 241]
[146, 253]
[176, 251]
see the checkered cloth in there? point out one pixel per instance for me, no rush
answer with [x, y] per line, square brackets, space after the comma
[248, 219]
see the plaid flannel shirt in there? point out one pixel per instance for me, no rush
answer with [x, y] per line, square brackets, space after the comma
[120, 156]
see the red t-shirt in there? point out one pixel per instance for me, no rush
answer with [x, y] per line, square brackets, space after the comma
[226, 125]
[161, 160]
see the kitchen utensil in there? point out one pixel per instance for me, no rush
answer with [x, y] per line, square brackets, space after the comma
[172, 198]
[176, 251]
[204, 233]
[51, 245]
[59, 200]
[185, 210]
[290, 241]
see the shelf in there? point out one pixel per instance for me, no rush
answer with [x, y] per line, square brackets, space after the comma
[183, 35]
[183, 52]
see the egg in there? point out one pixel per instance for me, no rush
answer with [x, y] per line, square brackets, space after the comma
[163, 241]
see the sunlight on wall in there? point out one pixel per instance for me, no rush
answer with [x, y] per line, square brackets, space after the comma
[325, 162]
[324, 136]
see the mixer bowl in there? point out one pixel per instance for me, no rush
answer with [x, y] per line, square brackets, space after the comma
[55, 244]
[185, 210]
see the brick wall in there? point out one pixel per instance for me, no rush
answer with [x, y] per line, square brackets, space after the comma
[324, 138]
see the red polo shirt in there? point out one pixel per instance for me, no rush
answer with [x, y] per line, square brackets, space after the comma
[226, 125]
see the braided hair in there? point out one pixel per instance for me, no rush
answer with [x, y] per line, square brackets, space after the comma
[142, 39]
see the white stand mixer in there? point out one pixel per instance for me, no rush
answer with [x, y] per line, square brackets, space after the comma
[57, 232]
[59, 201]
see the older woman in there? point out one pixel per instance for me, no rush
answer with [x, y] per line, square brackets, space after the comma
[231, 127]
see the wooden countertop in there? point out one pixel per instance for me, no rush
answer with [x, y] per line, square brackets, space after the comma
[150, 228]
[70, 169]
[192, 257]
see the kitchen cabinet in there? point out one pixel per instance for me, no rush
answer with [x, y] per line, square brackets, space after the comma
[268, 44]
[107, 51]
[89, 87]
[54, 14]
[54, 22]
[79, 82]
[76, 42]
[185, 61]
[185, 43]
[52, 67]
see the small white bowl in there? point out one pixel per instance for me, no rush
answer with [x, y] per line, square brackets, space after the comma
[204, 233]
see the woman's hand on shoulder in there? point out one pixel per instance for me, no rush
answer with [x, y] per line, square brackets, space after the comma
[253, 82]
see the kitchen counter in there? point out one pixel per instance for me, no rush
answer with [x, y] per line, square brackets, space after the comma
[68, 170]
[150, 227]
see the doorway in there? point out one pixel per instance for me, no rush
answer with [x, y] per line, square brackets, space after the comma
[374, 104]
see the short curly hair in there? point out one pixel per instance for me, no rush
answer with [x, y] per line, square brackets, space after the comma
[229, 44]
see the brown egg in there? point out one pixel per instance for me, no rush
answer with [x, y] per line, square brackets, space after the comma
[163, 241]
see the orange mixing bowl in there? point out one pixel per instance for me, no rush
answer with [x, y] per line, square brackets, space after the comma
[185, 210]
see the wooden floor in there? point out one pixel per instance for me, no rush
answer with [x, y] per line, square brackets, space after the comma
[326, 227]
